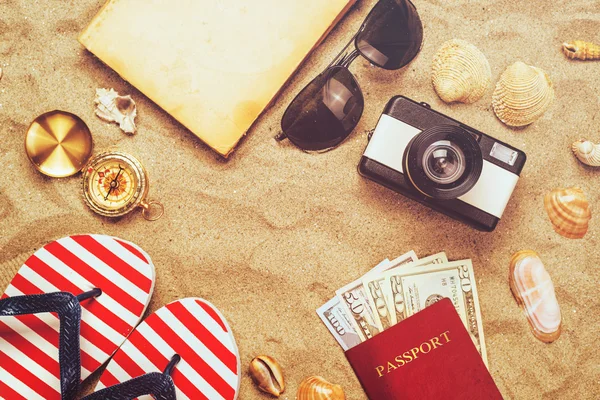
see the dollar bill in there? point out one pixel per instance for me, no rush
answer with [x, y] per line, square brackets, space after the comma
[339, 324]
[417, 288]
[379, 294]
[354, 298]
[342, 315]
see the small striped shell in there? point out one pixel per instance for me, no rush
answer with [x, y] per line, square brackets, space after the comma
[532, 287]
[317, 388]
[460, 72]
[587, 152]
[580, 50]
[522, 94]
[268, 375]
[569, 212]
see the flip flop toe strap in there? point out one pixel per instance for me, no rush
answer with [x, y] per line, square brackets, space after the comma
[159, 385]
[66, 305]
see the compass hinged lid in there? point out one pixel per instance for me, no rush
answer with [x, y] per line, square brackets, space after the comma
[58, 143]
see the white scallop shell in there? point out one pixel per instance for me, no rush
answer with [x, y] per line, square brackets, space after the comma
[114, 108]
[460, 72]
[587, 152]
[522, 94]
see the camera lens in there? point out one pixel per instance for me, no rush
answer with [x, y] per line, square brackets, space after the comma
[443, 162]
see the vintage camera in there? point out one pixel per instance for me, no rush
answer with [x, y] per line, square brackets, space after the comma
[442, 163]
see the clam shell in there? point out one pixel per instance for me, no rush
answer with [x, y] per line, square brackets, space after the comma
[569, 212]
[532, 287]
[580, 50]
[460, 72]
[114, 108]
[267, 374]
[522, 94]
[587, 152]
[317, 388]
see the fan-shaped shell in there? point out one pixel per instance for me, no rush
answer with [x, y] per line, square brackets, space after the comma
[580, 50]
[569, 212]
[522, 94]
[317, 388]
[587, 152]
[532, 287]
[460, 72]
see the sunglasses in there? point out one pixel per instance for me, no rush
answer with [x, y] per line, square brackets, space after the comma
[325, 112]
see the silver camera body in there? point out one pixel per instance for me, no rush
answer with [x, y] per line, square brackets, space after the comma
[442, 163]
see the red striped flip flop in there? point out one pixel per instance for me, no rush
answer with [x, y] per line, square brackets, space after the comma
[196, 331]
[29, 355]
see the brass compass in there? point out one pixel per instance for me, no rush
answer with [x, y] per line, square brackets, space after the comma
[116, 183]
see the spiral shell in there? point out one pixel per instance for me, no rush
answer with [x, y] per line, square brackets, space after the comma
[569, 212]
[460, 72]
[580, 50]
[522, 94]
[532, 287]
[587, 152]
[114, 108]
[317, 388]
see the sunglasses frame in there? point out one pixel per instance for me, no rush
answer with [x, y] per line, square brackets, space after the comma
[343, 60]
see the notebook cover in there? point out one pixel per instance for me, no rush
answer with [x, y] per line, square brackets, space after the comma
[213, 65]
[428, 356]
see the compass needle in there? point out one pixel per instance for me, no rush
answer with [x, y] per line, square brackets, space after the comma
[116, 183]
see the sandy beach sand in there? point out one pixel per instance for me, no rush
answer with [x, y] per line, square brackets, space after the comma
[269, 235]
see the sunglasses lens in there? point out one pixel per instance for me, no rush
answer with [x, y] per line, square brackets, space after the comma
[324, 112]
[392, 34]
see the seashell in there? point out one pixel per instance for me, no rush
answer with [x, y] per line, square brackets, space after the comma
[522, 94]
[267, 374]
[460, 72]
[317, 388]
[114, 108]
[587, 152]
[569, 212]
[1, 72]
[580, 50]
[532, 287]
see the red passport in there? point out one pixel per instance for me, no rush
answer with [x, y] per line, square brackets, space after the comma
[429, 355]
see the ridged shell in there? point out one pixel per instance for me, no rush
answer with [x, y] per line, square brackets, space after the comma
[569, 212]
[580, 50]
[532, 287]
[522, 94]
[317, 388]
[587, 152]
[460, 72]
[114, 108]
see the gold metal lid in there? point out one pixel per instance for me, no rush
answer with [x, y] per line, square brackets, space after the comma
[58, 143]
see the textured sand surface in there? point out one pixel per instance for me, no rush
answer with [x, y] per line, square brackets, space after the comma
[269, 235]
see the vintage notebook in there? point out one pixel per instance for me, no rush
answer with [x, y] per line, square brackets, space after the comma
[213, 65]
[429, 356]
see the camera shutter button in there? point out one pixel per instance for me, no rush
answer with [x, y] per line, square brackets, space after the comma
[426, 105]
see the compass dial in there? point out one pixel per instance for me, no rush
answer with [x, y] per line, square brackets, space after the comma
[114, 184]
